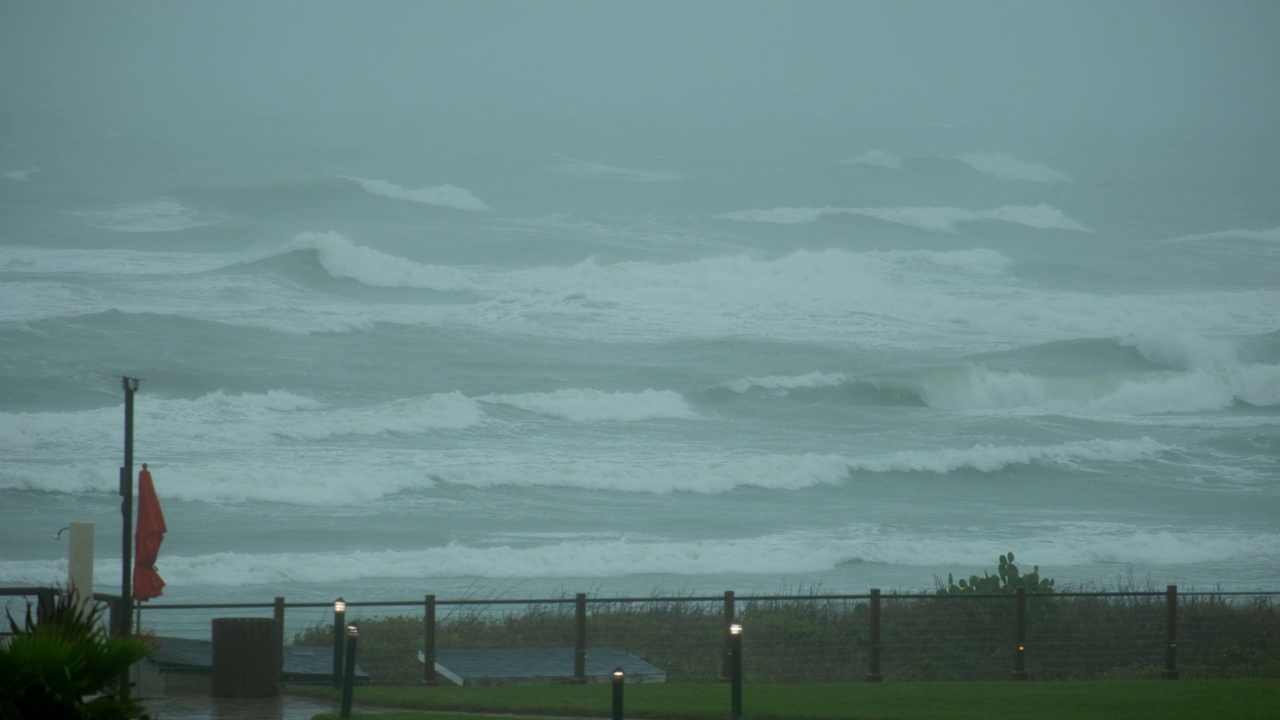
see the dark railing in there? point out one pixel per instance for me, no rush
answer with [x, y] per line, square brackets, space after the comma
[44, 598]
[802, 638]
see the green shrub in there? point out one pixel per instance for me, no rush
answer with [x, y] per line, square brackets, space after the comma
[959, 632]
[65, 665]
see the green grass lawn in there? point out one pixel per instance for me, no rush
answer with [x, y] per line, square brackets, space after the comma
[1090, 700]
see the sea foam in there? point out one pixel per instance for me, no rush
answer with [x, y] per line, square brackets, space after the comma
[787, 382]
[76, 261]
[149, 216]
[993, 458]
[1113, 394]
[586, 405]
[1270, 235]
[933, 219]
[240, 420]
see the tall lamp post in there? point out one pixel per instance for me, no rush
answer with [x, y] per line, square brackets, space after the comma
[126, 509]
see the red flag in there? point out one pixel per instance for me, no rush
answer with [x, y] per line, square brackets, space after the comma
[150, 533]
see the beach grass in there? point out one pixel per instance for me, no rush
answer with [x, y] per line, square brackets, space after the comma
[1094, 637]
[1068, 700]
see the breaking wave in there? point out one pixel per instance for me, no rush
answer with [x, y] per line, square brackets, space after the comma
[1164, 373]
[872, 299]
[1181, 349]
[343, 259]
[304, 475]
[1052, 546]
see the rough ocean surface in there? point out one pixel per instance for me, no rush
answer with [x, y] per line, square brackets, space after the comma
[536, 359]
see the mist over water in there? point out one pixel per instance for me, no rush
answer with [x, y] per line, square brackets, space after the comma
[506, 300]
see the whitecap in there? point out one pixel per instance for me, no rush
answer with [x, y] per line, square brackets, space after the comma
[20, 175]
[1005, 167]
[594, 170]
[787, 382]
[149, 216]
[876, 158]
[588, 405]
[933, 219]
[450, 196]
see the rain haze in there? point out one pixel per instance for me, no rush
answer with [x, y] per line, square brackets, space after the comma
[628, 66]
[517, 298]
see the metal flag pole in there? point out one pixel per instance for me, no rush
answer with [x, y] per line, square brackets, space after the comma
[126, 509]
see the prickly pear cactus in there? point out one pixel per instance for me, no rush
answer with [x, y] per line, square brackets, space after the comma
[1006, 580]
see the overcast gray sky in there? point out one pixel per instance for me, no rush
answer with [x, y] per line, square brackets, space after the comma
[992, 63]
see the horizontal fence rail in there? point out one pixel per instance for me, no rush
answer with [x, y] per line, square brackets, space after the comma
[869, 637]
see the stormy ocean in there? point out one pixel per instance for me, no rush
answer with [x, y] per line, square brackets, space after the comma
[519, 368]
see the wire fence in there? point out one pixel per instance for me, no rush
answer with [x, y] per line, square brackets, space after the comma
[794, 639]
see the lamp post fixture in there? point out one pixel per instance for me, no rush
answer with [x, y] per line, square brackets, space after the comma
[735, 671]
[124, 624]
[618, 678]
[349, 674]
[339, 622]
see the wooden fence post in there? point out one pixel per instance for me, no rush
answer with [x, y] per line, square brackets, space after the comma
[429, 640]
[1171, 633]
[278, 613]
[120, 609]
[580, 639]
[873, 672]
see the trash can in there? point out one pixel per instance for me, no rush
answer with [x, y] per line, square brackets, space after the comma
[246, 657]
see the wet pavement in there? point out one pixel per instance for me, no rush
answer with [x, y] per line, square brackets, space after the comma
[204, 707]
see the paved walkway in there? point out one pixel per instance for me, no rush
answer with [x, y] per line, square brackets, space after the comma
[204, 707]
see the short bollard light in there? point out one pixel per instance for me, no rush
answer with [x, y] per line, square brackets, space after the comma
[619, 677]
[349, 673]
[1020, 662]
[339, 622]
[735, 671]
[1020, 634]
